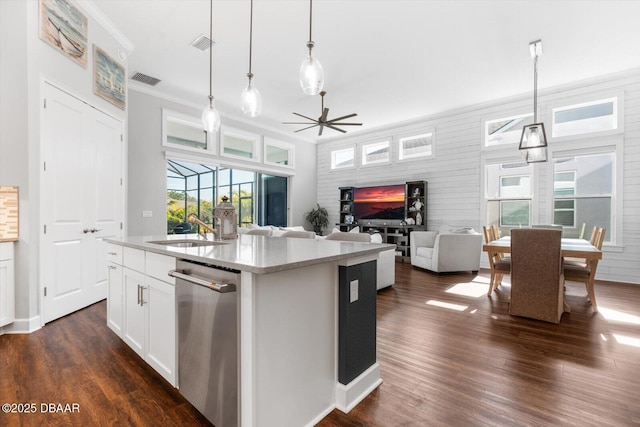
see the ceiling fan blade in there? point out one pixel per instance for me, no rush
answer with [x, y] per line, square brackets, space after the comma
[312, 126]
[325, 113]
[308, 118]
[341, 118]
[345, 124]
[320, 131]
[297, 123]
[335, 128]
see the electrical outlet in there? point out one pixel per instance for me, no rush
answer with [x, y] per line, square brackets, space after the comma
[147, 214]
[353, 291]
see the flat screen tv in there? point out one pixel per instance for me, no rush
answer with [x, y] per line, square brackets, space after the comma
[382, 202]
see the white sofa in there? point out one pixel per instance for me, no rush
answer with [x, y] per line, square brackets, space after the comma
[386, 265]
[446, 252]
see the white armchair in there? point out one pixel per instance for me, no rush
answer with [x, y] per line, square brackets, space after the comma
[446, 252]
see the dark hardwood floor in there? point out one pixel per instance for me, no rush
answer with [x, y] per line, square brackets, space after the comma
[449, 356]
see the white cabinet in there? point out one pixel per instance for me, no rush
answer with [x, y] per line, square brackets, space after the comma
[7, 284]
[115, 295]
[147, 311]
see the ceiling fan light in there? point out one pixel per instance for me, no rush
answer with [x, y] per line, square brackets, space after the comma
[211, 117]
[311, 76]
[251, 100]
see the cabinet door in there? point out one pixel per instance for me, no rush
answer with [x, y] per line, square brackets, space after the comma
[160, 303]
[133, 332]
[6, 292]
[115, 298]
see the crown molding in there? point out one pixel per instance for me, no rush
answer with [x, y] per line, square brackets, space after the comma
[90, 7]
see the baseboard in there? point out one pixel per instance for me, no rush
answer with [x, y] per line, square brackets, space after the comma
[22, 326]
[321, 416]
[348, 396]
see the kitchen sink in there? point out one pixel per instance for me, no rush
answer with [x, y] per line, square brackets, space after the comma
[187, 243]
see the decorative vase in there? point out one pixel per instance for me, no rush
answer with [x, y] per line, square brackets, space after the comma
[418, 218]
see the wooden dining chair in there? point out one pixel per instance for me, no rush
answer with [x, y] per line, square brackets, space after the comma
[537, 284]
[499, 264]
[593, 240]
[585, 271]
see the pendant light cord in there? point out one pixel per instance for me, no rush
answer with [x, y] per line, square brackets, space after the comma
[211, 49]
[250, 75]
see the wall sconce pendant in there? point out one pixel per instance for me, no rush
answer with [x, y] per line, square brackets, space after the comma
[251, 98]
[311, 71]
[533, 141]
[210, 116]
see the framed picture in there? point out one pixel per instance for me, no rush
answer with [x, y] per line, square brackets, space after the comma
[65, 28]
[109, 81]
[348, 219]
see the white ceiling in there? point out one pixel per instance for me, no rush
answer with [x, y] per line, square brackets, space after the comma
[388, 61]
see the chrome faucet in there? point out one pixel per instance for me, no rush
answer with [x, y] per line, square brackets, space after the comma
[194, 218]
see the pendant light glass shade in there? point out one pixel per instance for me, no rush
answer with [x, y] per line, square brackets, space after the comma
[251, 100]
[311, 72]
[211, 117]
[311, 75]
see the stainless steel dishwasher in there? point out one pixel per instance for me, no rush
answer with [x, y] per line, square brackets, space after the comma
[207, 339]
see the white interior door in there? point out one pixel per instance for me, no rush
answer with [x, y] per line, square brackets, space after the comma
[81, 201]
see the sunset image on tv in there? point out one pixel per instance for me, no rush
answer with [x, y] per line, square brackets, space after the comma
[381, 202]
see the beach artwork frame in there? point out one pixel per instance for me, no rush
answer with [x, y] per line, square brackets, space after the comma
[109, 81]
[65, 28]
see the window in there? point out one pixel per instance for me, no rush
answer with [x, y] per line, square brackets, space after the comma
[184, 132]
[509, 194]
[239, 144]
[583, 192]
[507, 130]
[596, 116]
[376, 152]
[344, 158]
[278, 153]
[190, 189]
[416, 146]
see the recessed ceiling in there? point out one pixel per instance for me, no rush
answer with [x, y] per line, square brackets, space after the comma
[389, 61]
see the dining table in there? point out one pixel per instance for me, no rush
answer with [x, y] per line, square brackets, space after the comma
[574, 248]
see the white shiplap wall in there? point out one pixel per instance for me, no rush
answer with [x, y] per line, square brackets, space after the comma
[454, 174]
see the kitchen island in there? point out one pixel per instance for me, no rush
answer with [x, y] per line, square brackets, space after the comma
[306, 319]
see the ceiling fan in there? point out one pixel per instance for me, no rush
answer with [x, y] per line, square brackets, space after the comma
[322, 120]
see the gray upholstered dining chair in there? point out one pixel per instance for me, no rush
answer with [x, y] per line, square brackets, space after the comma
[583, 270]
[537, 282]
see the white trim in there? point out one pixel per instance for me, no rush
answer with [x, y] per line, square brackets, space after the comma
[348, 396]
[23, 326]
[351, 147]
[90, 7]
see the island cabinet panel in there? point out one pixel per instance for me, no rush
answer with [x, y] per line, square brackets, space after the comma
[142, 299]
[357, 320]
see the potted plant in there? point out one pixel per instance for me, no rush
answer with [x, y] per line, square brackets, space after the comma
[319, 218]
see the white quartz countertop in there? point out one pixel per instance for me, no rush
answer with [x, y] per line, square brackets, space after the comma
[256, 254]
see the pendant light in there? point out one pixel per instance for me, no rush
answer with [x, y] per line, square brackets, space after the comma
[311, 71]
[251, 98]
[210, 116]
[533, 142]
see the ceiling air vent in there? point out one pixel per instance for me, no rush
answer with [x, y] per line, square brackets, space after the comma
[143, 78]
[202, 42]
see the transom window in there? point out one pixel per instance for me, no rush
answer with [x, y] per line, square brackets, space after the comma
[506, 130]
[343, 158]
[584, 118]
[376, 152]
[416, 146]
